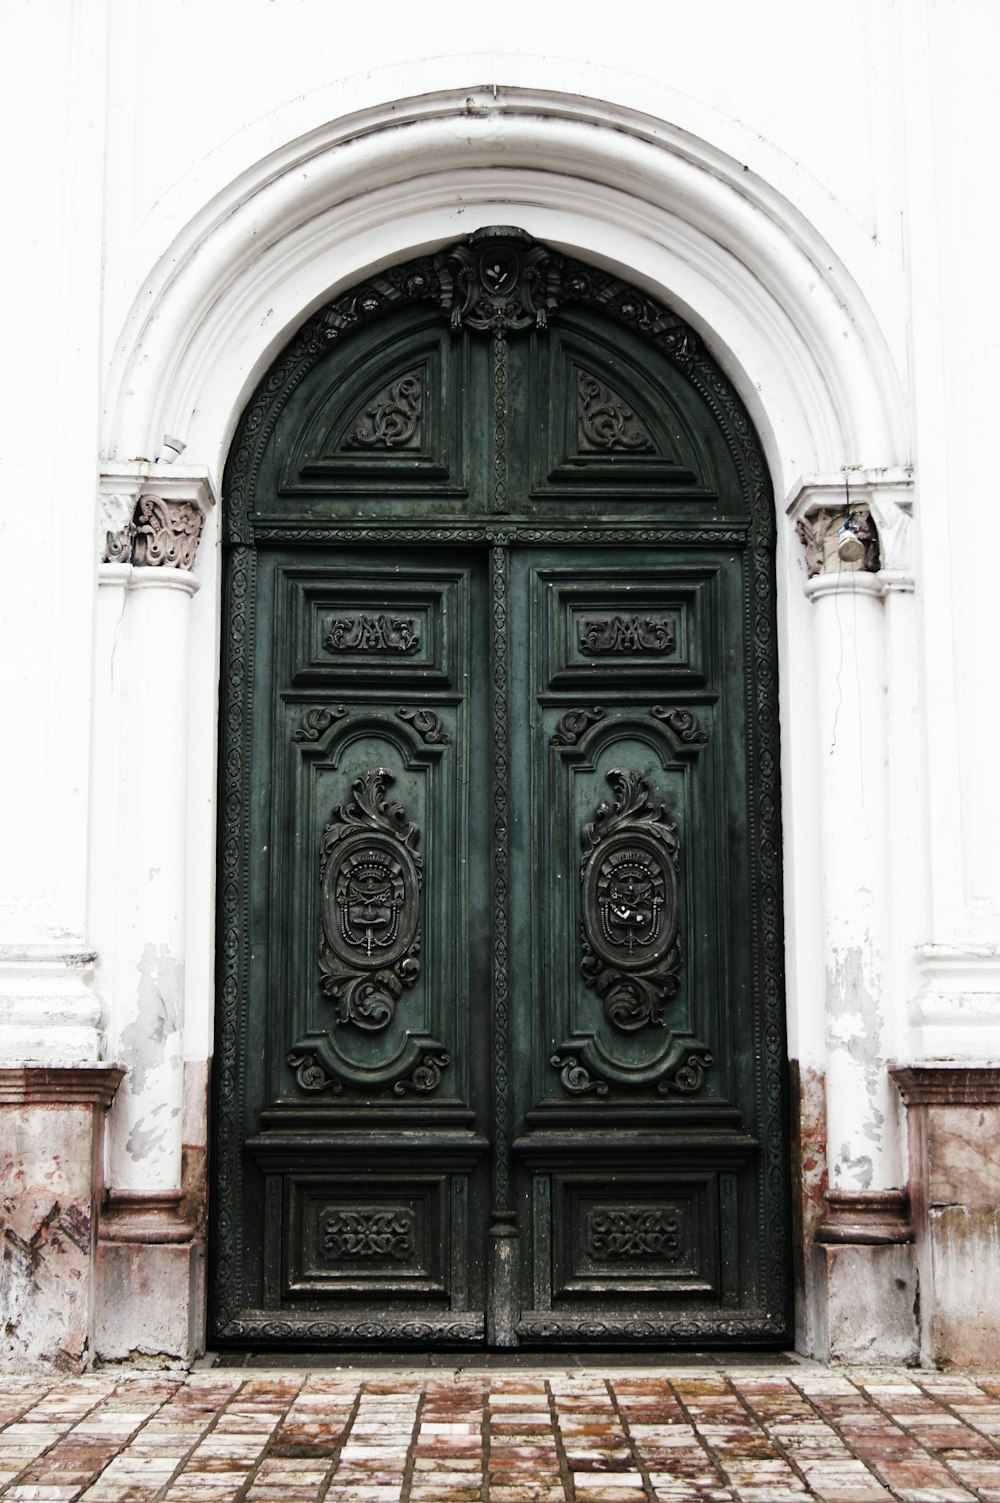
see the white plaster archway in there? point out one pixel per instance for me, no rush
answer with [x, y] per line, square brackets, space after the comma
[644, 199]
[669, 213]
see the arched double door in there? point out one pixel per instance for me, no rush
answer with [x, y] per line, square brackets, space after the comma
[500, 1054]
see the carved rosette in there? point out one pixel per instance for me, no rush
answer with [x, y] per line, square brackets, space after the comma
[839, 539]
[164, 533]
[628, 891]
[370, 880]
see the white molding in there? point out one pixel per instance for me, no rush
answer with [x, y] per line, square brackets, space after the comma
[637, 196]
[955, 1014]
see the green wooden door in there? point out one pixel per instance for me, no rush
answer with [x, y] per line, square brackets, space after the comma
[500, 1052]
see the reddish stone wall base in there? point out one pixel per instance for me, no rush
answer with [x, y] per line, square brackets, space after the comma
[51, 1176]
[953, 1120]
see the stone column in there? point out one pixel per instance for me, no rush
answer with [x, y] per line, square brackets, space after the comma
[861, 1265]
[148, 1257]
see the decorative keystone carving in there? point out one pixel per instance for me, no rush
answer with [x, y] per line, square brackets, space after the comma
[164, 533]
[839, 539]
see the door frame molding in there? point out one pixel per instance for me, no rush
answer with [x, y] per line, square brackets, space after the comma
[775, 304]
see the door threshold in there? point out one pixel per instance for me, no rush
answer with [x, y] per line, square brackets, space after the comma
[501, 1361]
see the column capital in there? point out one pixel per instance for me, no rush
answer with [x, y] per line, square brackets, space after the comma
[855, 521]
[152, 515]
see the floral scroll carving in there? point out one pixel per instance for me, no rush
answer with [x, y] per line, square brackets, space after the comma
[635, 1232]
[163, 534]
[370, 880]
[372, 634]
[392, 421]
[368, 1232]
[573, 724]
[628, 883]
[600, 635]
[605, 424]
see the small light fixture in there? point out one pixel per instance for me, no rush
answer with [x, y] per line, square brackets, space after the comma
[850, 548]
[171, 449]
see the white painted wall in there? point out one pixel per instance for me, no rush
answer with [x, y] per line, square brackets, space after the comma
[146, 137]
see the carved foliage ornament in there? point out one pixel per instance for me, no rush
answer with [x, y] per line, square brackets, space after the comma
[597, 635]
[839, 539]
[370, 880]
[605, 424]
[392, 421]
[637, 1233]
[161, 534]
[628, 890]
[368, 1233]
[372, 634]
[500, 281]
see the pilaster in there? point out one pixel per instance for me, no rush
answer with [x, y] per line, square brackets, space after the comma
[148, 1260]
[855, 531]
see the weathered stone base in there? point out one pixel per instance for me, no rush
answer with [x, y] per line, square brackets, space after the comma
[866, 1298]
[51, 1176]
[953, 1119]
[150, 1302]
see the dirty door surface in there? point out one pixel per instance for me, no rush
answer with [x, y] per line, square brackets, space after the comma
[500, 1055]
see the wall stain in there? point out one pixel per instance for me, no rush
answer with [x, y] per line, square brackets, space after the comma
[160, 1006]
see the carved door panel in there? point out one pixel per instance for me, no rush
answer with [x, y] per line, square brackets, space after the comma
[500, 1051]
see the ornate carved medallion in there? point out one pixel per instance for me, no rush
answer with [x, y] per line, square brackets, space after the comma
[370, 878]
[628, 882]
[496, 283]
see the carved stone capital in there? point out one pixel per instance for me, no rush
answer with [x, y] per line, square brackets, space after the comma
[858, 521]
[152, 516]
[838, 539]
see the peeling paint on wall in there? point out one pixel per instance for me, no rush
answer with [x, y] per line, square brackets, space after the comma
[159, 1011]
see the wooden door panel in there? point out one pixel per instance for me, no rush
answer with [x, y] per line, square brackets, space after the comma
[364, 993]
[500, 1043]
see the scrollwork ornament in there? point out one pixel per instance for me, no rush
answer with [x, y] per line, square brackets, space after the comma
[317, 721]
[393, 419]
[573, 724]
[118, 547]
[427, 724]
[311, 1076]
[628, 884]
[688, 1077]
[605, 423]
[424, 1077]
[165, 534]
[684, 723]
[575, 1077]
[370, 880]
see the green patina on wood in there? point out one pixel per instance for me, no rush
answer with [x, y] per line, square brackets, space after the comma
[500, 1053]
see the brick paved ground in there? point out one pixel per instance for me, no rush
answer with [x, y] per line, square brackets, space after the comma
[753, 1435]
